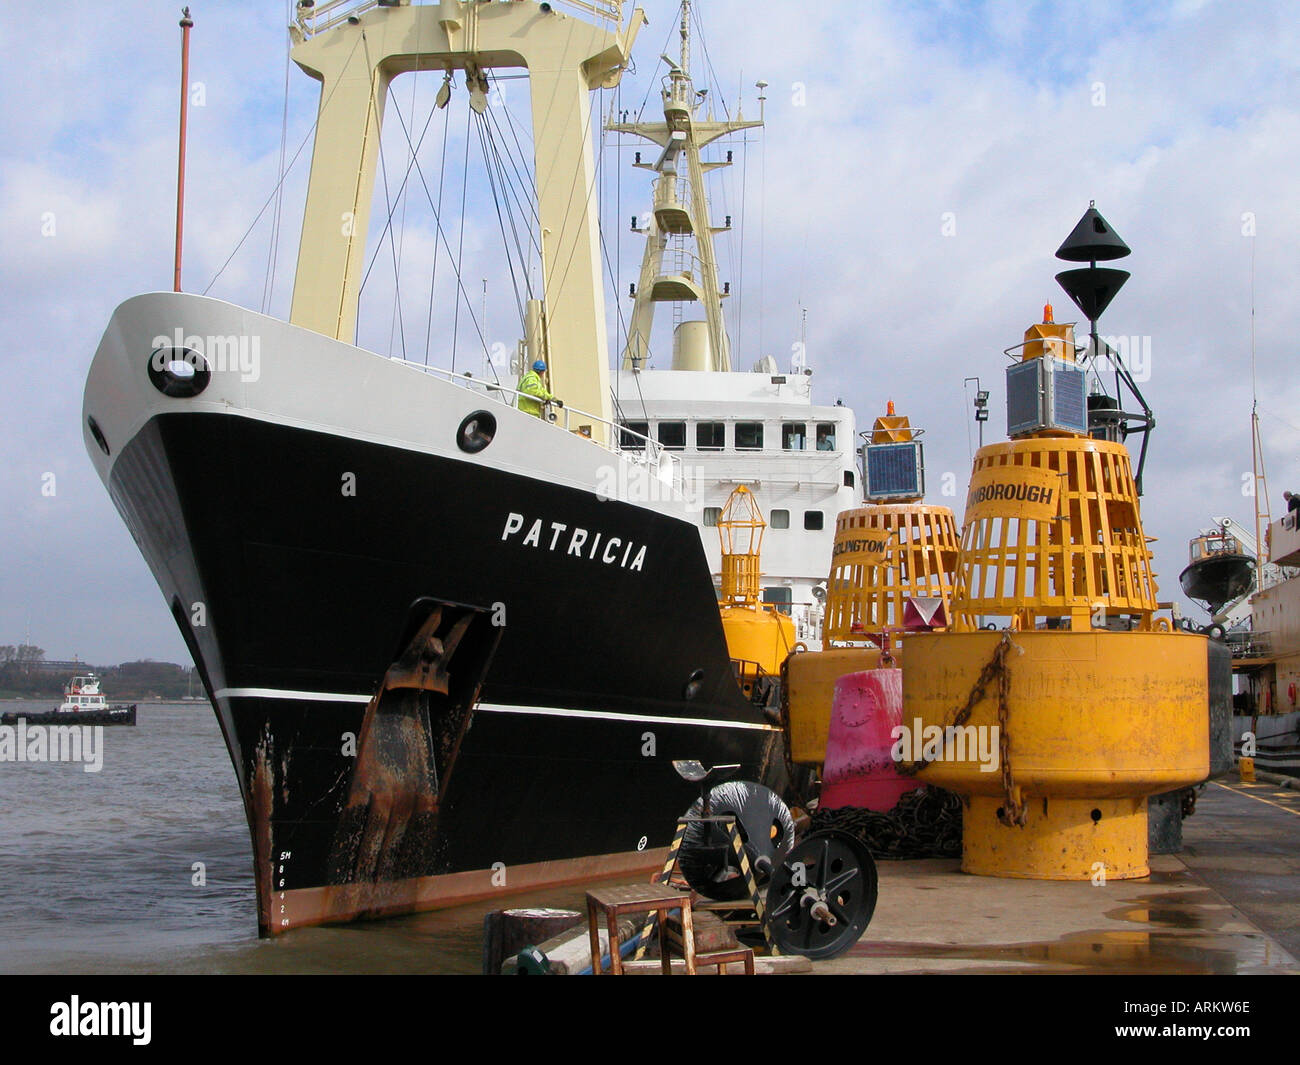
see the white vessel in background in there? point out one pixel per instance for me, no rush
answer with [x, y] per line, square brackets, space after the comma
[1266, 656]
[728, 426]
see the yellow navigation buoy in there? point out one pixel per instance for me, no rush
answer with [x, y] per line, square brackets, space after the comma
[759, 636]
[895, 555]
[1058, 727]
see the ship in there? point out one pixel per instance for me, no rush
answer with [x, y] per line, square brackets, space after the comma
[453, 647]
[1264, 639]
[84, 703]
[1219, 571]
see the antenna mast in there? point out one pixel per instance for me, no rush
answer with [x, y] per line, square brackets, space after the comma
[186, 23]
[681, 210]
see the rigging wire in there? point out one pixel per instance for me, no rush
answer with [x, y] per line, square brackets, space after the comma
[517, 189]
[273, 251]
[492, 172]
[527, 192]
[708, 62]
[762, 243]
[310, 133]
[404, 198]
[388, 225]
[412, 164]
[740, 255]
[650, 84]
[618, 243]
[442, 234]
[460, 245]
[437, 215]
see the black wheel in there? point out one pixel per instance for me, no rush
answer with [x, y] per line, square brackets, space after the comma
[766, 829]
[821, 895]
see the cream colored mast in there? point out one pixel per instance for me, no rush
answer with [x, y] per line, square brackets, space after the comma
[681, 209]
[356, 50]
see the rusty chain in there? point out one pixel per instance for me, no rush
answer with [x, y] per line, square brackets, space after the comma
[1013, 812]
[925, 823]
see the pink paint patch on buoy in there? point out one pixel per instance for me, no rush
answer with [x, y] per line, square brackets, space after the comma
[859, 770]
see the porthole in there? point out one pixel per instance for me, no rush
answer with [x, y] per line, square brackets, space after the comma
[98, 434]
[476, 432]
[179, 373]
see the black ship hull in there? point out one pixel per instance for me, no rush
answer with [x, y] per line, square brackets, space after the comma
[299, 563]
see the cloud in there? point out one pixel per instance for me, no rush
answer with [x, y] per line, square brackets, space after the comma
[883, 121]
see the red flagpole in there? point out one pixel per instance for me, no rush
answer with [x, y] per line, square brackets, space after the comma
[186, 23]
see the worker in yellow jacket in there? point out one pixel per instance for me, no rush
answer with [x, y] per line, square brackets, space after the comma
[533, 391]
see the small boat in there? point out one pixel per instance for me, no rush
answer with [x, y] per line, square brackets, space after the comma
[83, 704]
[1219, 571]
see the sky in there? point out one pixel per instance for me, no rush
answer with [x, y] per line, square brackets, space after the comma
[919, 166]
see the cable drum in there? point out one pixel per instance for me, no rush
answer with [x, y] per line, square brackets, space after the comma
[766, 830]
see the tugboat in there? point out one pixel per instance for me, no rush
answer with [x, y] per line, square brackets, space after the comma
[83, 704]
[1219, 570]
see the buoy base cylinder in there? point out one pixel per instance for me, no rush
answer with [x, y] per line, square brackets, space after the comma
[1062, 839]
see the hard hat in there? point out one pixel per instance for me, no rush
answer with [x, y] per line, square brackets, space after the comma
[539, 366]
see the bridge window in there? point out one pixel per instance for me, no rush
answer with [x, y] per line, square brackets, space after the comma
[780, 519]
[794, 436]
[628, 442]
[711, 436]
[712, 515]
[825, 436]
[672, 435]
[749, 436]
[813, 520]
[781, 597]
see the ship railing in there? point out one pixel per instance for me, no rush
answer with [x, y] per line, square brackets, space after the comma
[313, 18]
[634, 447]
[1249, 644]
[807, 619]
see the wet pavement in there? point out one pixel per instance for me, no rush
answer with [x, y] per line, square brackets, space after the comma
[1228, 903]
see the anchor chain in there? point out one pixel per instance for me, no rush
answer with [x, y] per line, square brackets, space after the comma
[1013, 812]
[925, 823]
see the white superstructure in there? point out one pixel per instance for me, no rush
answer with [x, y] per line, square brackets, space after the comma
[727, 426]
[760, 430]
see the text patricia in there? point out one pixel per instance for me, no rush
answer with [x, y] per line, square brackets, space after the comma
[583, 543]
